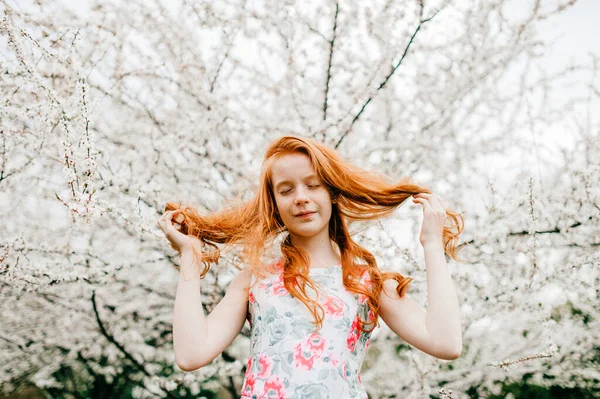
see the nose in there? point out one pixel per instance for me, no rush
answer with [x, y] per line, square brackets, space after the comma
[301, 196]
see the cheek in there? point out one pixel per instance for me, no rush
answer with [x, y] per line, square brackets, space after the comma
[326, 200]
[280, 205]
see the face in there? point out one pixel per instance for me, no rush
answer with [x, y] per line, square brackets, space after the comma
[297, 190]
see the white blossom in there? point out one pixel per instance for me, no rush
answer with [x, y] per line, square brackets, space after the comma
[110, 111]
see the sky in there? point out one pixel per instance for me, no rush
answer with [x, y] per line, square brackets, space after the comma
[575, 35]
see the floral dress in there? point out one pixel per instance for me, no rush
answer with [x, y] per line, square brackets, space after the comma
[288, 359]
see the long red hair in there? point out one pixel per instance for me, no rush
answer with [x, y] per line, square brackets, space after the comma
[357, 195]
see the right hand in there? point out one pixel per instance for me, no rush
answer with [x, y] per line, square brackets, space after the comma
[179, 241]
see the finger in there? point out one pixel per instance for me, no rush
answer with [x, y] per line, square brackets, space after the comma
[169, 217]
[441, 204]
[162, 221]
[162, 224]
[428, 195]
[176, 219]
[424, 202]
[164, 216]
[169, 222]
[177, 216]
[166, 223]
[421, 198]
[435, 202]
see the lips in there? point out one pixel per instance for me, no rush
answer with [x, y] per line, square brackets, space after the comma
[306, 213]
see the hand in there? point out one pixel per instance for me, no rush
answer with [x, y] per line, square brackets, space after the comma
[434, 217]
[179, 241]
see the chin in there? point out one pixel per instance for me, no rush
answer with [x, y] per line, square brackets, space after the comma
[306, 233]
[303, 233]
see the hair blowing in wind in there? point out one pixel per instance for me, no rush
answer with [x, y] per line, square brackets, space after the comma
[357, 195]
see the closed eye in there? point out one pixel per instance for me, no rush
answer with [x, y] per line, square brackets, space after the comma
[289, 190]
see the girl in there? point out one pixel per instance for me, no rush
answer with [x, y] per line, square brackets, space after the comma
[312, 309]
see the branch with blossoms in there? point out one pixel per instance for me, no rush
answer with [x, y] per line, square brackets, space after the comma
[506, 363]
[122, 349]
[388, 77]
[166, 113]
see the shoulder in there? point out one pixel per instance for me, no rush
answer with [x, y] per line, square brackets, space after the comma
[241, 280]
[389, 288]
[245, 277]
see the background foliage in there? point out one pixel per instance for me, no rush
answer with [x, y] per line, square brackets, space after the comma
[110, 109]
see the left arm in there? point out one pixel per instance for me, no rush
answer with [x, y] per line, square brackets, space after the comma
[443, 314]
[436, 331]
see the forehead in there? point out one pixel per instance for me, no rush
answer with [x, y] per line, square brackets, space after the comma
[291, 167]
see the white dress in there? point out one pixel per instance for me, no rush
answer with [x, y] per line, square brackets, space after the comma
[288, 359]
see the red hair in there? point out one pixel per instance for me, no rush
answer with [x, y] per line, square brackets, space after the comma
[357, 195]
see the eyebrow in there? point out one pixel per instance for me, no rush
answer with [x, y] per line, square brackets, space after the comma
[289, 182]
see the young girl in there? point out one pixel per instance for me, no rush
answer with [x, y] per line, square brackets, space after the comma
[312, 307]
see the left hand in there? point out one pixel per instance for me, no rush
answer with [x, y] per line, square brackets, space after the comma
[434, 218]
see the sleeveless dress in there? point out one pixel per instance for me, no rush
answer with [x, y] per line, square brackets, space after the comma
[288, 358]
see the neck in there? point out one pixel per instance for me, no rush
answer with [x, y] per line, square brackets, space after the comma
[319, 249]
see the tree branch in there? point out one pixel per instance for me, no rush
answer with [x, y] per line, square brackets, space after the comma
[526, 233]
[382, 85]
[121, 348]
[331, 44]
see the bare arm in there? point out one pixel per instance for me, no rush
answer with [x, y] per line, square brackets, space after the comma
[436, 331]
[198, 339]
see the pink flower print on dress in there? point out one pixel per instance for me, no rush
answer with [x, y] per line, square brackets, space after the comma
[253, 386]
[274, 388]
[334, 360]
[353, 335]
[308, 350]
[361, 298]
[249, 365]
[278, 288]
[316, 343]
[303, 358]
[301, 361]
[334, 307]
[276, 267]
[265, 366]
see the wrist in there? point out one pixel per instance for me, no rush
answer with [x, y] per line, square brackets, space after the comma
[190, 259]
[189, 250]
[433, 244]
[190, 264]
[189, 273]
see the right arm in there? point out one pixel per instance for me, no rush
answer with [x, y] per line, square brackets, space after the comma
[198, 339]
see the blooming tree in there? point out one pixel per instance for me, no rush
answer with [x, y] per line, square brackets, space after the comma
[110, 109]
